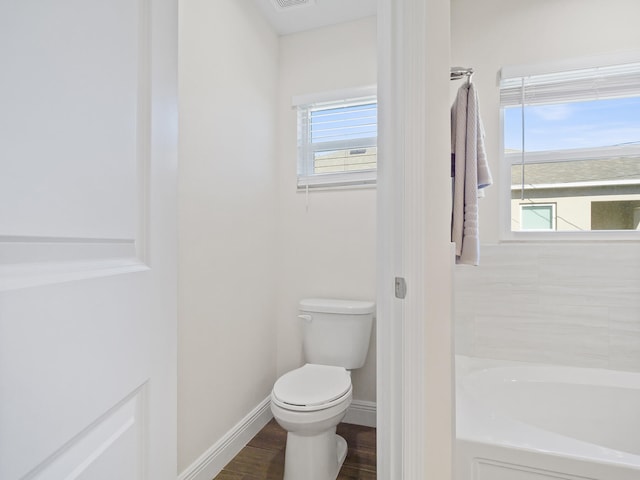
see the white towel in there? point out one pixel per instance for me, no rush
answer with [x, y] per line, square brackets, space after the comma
[471, 173]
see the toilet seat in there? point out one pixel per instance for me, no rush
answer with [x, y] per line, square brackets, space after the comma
[312, 387]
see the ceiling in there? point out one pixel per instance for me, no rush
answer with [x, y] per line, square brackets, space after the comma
[317, 13]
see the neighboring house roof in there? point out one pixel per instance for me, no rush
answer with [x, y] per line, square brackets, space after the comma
[577, 171]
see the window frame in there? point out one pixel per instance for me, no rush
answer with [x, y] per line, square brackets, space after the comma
[304, 105]
[507, 160]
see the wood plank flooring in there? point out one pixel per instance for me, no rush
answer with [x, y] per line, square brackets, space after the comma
[263, 457]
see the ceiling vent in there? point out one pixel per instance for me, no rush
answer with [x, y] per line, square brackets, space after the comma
[282, 5]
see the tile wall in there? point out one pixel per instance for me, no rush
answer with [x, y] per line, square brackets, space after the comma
[569, 304]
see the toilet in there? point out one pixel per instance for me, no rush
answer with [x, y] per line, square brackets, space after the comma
[310, 401]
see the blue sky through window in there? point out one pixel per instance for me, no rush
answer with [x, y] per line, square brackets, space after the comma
[595, 123]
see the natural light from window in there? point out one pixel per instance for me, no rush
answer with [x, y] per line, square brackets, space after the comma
[353, 127]
[337, 139]
[580, 170]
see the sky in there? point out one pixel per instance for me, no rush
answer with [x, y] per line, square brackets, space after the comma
[595, 123]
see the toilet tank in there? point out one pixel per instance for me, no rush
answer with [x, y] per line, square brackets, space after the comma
[336, 332]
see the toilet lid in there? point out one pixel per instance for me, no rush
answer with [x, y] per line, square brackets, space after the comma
[312, 385]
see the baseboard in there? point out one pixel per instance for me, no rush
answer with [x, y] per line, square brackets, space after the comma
[362, 413]
[222, 452]
[211, 462]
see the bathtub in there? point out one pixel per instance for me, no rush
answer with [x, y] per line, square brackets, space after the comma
[521, 421]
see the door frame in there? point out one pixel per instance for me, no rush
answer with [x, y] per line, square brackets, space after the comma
[415, 396]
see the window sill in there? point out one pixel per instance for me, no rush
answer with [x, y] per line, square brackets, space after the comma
[354, 179]
[323, 188]
[609, 236]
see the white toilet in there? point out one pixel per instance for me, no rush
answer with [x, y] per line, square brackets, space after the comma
[310, 401]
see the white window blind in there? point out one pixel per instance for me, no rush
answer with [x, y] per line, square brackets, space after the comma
[337, 141]
[577, 85]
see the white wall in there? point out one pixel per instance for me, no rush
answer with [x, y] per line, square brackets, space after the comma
[249, 247]
[559, 303]
[327, 249]
[227, 219]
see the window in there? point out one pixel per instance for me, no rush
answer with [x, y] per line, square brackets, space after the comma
[572, 143]
[337, 139]
[538, 216]
[616, 215]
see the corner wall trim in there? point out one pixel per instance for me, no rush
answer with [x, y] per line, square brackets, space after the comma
[211, 462]
[361, 412]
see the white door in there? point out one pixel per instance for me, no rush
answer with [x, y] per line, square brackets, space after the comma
[87, 239]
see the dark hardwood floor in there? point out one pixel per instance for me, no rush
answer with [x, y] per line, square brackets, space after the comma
[263, 457]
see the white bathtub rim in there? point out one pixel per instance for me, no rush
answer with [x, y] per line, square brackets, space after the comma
[615, 378]
[560, 374]
[526, 438]
[477, 423]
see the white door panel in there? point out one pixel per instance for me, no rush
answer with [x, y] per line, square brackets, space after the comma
[87, 239]
[69, 95]
[109, 449]
[66, 362]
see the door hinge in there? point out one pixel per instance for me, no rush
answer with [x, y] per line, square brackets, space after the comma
[401, 287]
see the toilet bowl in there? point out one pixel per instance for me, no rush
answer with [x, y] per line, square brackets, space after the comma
[308, 403]
[311, 400]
